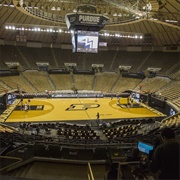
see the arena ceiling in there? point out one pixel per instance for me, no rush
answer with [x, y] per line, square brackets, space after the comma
[44, 21]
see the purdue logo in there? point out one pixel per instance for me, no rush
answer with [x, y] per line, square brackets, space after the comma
[89, 19]
[80, 107]
[72, 19]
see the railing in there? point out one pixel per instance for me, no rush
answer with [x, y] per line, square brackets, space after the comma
[89, 172]
[7, 158]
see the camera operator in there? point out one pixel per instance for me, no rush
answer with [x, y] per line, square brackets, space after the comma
[165, 158]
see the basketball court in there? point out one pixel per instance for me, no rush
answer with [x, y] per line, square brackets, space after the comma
[73, 109]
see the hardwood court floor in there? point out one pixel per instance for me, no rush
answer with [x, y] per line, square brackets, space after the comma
[68, 109]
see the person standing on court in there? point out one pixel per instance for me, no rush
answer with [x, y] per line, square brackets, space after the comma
[97, 120]
[165, 159]
[97, 115]
[29, 103]
[25, 107]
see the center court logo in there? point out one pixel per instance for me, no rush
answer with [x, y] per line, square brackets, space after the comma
[82, 107]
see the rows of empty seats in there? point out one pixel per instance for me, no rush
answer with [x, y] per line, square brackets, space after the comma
[177, 102]
[62, 81]
[78, 134]
[34, 55]
[121, 132]
[140, 61]
[3, 66]
[164, 60]
[173, 121]
[133, 59]
[83, 82]
[12, 54]
[15, 82]
[56, 132]
[153, 84]
[39, 79]
[171, 91]
[124, 83]
[3, 89]
[105, 81]
[132, 130]
[176, 74]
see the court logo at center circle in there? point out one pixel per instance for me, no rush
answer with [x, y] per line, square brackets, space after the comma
[80, 107]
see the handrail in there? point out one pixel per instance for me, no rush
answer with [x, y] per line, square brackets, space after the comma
[16, 149]
[7, 139]
[10, 127]
[20, 164]
[168, 118]
[124, 145]
[13, 158]
[90, 173]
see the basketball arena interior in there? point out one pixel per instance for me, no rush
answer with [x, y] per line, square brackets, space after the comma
[83, 83]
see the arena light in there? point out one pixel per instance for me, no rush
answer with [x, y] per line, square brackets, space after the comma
[58, 8]
[154, 19]
[137, 17]
[51, 29]
[115, 14]
[5, 4]
[171, 21]
[122, 35]
[53, 8]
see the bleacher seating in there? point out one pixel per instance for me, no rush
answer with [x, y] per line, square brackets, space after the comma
[171, 90]
[3, 66]
[83, 82]
[153, 84]
[62, 81]
[3, 89]
[39, 79]
[177, 102]
[105, 81]
[125, 83]
[140, 61]
[173, 122]
[133, 59]
[15, 82]
[164, 60]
